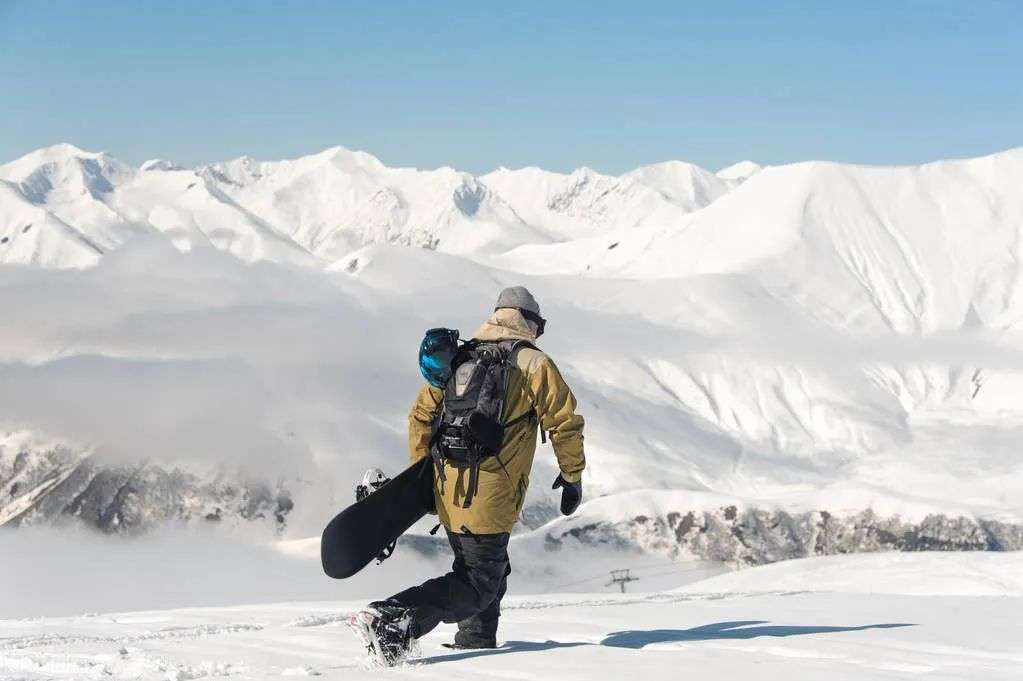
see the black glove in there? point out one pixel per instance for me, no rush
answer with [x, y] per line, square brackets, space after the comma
[571, 494]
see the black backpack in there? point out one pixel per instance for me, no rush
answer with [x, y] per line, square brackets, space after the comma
[468, 429]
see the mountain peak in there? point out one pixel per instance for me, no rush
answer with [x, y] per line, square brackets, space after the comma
[65, 149]
[67, 168]
[56, 153]
[686, 185]
[159, 164]
[585, 171]
[739, 171]
[673, 165]
[346, 159]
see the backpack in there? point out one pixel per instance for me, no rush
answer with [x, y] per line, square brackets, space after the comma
[468, 428]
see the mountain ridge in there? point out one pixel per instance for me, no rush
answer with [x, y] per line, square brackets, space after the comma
[328, 203]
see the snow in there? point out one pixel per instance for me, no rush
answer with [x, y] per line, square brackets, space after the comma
[804, 633]
[208, 566]
[322, 206]
[159, 164]
[745, 404]
[740, 171]
[812, 341]
[820, 337]
[917, 574]
[689, 186]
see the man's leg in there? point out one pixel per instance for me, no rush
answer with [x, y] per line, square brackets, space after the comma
[480, 630]
[477, 576]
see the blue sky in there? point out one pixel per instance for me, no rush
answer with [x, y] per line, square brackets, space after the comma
[476, 85]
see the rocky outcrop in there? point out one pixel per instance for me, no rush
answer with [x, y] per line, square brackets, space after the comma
[57, 484]
[754, 537]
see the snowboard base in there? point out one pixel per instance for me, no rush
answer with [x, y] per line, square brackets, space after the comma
[363, 531]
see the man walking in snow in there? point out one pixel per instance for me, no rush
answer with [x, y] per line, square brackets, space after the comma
[479, 508]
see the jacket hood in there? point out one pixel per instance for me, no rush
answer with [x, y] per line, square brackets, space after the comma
[505, 324]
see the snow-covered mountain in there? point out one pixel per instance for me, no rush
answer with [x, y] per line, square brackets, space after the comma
[64, 207]
[772, 361]
[340, 200]
[323, 206]
[584, 202]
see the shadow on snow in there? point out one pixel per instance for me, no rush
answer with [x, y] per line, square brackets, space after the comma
[506, 647]
[638, 638]
[726, 630]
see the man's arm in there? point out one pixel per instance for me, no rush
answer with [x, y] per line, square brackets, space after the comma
[555, 405]
[420, 421]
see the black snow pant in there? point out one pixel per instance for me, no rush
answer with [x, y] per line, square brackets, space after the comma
[470, 594]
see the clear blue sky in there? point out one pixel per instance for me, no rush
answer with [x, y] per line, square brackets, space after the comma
[480, 84]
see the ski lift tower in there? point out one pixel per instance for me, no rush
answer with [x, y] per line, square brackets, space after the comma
[621, 578]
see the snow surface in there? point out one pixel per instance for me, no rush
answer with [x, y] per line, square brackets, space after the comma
[917, 574]
[807, 338]
[210, 567]
[805, 633]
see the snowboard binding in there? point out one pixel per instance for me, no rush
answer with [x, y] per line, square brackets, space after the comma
[372, 480]
[385, 629]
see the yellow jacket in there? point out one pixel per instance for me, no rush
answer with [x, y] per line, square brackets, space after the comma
[534, 383]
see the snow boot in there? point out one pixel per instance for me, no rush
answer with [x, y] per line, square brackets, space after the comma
[385, 628]
[471, 640]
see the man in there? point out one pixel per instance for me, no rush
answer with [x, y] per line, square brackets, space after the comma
[536, 397]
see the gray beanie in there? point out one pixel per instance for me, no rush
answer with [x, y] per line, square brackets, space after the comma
[518, 297]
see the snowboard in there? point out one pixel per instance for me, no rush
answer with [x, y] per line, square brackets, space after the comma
[368, 527]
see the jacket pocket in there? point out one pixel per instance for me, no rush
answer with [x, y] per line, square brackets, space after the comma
[520, 493]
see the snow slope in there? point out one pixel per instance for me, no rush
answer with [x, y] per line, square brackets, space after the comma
[916, 574]
[802, 634]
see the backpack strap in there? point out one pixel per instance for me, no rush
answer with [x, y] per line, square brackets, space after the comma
[530, 414]
[434, 452]
[510, 347]
[438, 463]
[513, 345]
[474, 482]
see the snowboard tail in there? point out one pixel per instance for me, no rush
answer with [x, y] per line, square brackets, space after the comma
[362, 531]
